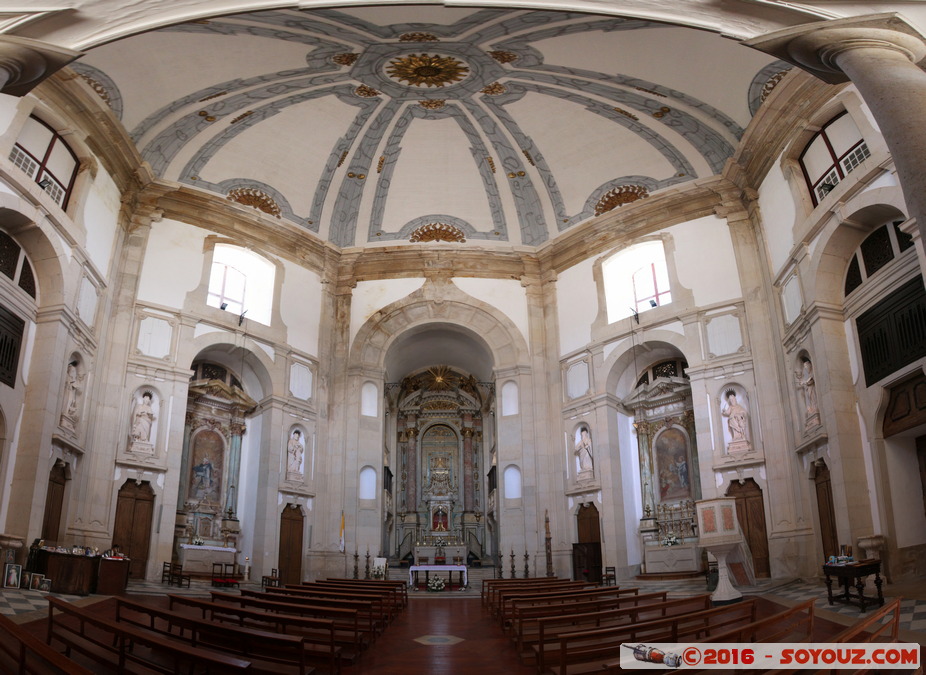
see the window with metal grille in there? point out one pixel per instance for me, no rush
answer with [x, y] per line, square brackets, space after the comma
[44, 156]
[879, 248]
[14, 265]
[834, 152]
[892, 334]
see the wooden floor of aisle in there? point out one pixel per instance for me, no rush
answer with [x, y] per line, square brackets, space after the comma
[442, 636]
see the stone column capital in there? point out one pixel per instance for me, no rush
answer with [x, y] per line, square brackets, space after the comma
[816, 47]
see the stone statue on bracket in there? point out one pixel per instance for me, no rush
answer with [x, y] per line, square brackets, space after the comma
[142, 422]
[295, 449]
[737, 423]
[73, 390]
[807, 384]
[583, 453]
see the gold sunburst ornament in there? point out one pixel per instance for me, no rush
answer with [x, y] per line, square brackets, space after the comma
[422, 70]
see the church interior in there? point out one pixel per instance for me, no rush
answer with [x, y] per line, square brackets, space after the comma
[289, 284]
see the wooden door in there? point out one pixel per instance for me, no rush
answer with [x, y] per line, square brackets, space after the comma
[54, 503]
[586, 555]
[824, 489]
[750, 511]
[589, 528]
[291, 522]
[132, 529]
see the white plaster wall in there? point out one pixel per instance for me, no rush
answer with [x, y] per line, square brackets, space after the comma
[247, 487]
[8, 106]
[705, 261]
[173, 264]
[776, 204]
[507, 295]
[630, 486]
[906, 492]
[300, 307]
[577, 306]
[371, 296]
[101, 210]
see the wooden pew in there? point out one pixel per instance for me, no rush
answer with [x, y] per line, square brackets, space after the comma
[321, 635]
[587, 651]
[791, 625]
[114, 646]
[346, 620]
[24, 654]
[503, 594]
[266, 650]
[535, 629]
[401, 586]
[510, 604]
[386, 595]
[491, 586]
[374, 607]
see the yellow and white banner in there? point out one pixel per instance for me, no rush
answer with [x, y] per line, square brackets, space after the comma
[770, 656]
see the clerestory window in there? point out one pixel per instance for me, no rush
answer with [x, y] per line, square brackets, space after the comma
[241, 282]
[636, 280]
[44, 155]
[831, 155]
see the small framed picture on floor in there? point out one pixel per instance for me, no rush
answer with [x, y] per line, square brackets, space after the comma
[9, 556]
[36, 581]
[45, 585]
[12, 573]
[25, 579]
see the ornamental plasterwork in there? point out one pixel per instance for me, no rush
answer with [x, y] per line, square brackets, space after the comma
[418, 37]
[345, 59]
[98, 88]
[622, 194]
[494, 89]
[429, 71]
[366, 92]
[437, 232]
[255, 198]
[503, 56]
[772, 83]
[432, 103]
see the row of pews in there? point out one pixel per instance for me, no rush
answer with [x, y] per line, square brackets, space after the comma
[570, 627]
[312, 627]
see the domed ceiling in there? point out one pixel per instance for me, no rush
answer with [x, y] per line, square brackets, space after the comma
[384, 125]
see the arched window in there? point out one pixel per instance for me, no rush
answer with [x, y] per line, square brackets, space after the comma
[509, 398]
[879, 248]
[241, 282]
[832, 154]
[512, 479]
[636, 280]
[43, 154]
[367, 489]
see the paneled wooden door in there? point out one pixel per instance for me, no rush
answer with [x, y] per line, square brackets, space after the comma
[824, 489]
[291, 524]
[54, 502]
[586, 555]
[132, 530]
[750, 510]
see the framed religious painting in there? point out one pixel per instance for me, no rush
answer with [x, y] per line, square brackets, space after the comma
[12, 574]
[35, 582]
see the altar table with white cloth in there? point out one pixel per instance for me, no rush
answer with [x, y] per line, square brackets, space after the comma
[199, 559]
[427, 569]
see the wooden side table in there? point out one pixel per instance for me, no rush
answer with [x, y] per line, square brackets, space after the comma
[857, 571]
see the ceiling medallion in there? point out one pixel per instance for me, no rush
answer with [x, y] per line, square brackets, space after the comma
[418, 37]
[345, 59]
[618, 196]
[432, 103]
[429, 71]
[438, 232]
[494, 89]
[503, 56]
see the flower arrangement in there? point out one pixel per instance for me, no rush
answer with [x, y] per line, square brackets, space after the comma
[378, 572]
[435, 584]
[670, 540]
[198, 541]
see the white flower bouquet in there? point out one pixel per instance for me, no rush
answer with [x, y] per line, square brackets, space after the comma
[670, 540]
[435, 584]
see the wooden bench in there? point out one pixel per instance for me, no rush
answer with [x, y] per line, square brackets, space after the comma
[23, 653]
[399, 588]
[791, 625]
[392, 604]
[491, 586]
[589, 651]
[268, 652]
[348, 620]
[321, 635]
[114, 646]
[496, 606]
[371, 609]
[511, 604]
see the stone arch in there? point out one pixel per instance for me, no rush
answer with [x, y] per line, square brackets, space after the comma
[622, 367]
[228, 351]
[45, 254]
[439, 303]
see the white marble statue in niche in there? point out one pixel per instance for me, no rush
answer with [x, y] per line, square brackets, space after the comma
[585, 463]
[143, 418]
[737, 423]
[807, 384]
[295, 450]
[73, 390]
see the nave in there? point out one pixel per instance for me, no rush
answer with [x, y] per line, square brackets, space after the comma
[454, 632]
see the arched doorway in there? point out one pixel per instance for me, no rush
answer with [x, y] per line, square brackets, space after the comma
[586, 554]
[750, 510]
[291, 523]
[827, 514]
[132, 529]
